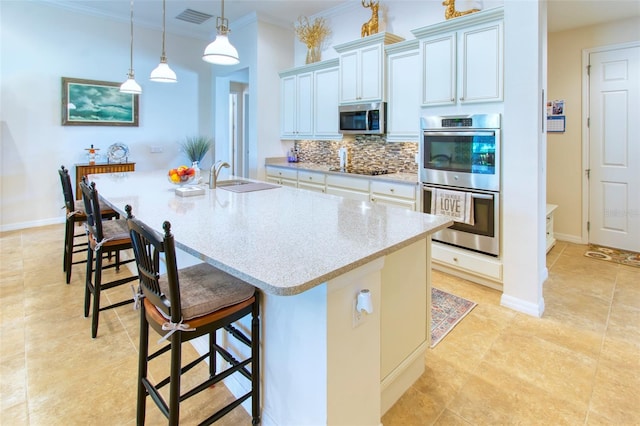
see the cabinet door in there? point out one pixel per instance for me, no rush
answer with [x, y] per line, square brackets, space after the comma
[349, 77]
[481, 67]
[288, 93]
[404, 100]
[371, 66]
[326, 101]
[439, 70]
[305, 105]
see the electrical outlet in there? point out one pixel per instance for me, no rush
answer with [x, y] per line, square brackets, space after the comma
[417, 158]
[358, 317]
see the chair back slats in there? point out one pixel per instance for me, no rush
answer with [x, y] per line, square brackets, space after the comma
[92, 208]
[147, 248]
[67, 189]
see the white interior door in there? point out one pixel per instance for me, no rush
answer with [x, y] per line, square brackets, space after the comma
[614, 148]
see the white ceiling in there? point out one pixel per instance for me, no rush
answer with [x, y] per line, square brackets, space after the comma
[562, 14]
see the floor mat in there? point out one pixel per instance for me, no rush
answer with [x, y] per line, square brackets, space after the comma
[447, 310]
[623, 257]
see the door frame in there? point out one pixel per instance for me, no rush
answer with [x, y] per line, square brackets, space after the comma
[586, 103]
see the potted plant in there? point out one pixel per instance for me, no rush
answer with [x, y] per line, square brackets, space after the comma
[195, 148]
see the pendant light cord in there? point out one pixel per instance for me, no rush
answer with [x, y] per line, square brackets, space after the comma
[131, 44]
[164, 56]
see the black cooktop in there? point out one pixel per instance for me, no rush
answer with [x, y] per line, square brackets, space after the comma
[371, 171]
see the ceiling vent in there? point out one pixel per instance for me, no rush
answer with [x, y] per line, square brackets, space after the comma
[193, 16]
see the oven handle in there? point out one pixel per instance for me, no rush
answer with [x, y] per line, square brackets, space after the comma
[473, 194]
[460, 133]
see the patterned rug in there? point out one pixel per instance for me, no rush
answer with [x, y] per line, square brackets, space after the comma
[623, 257]
[447, 310]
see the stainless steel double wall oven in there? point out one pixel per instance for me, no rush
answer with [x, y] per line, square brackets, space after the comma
[462, 153]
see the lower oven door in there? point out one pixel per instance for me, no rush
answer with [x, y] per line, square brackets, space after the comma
[484, 235]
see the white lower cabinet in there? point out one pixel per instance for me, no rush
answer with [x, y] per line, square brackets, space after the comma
[354, 188]
[282, 176]
[312, 181]
[394, 194]
[551, 240]
[475, 267]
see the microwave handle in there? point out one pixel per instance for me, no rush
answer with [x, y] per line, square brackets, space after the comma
[473, 194]
[367, 122]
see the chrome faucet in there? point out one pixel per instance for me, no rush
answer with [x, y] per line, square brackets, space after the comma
[215, 171]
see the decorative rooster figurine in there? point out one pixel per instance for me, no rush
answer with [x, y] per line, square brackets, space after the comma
[451, 12]
[371, 26]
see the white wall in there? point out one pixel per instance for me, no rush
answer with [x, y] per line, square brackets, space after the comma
[41, 44]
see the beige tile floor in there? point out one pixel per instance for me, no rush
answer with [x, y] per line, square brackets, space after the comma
[577, 365]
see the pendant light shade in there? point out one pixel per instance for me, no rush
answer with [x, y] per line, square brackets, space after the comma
[221, 51]
[162, 73]
[131, 86]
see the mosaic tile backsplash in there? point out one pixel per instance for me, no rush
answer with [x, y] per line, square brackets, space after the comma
[364, 152]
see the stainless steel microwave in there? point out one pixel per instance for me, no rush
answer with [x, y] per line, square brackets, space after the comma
[363, 119]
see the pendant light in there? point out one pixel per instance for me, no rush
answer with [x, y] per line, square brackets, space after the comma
[162, 73]
[131, 86]
[220, 51]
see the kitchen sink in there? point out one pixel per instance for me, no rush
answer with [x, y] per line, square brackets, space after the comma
[232, 182]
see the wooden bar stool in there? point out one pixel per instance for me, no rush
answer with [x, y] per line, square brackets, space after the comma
[182, 305]
[75, 216]
[105, 237]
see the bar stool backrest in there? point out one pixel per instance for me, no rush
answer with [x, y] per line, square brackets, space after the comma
[67, 189]
[148, 246]
[92, 208]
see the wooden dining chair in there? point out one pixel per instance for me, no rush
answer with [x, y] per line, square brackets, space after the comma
[104, 237]
[75, 215]
[181, 305]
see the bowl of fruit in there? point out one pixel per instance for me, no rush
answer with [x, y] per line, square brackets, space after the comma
[182, 175]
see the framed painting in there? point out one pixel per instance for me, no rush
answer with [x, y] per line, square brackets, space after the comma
[97, 103]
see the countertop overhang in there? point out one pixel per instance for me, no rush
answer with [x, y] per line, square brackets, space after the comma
[282, 240]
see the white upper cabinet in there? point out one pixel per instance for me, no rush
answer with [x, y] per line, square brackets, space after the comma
[297, 105]
[462, 59]
[403, 79]
[362, 68]
[309, 101]
[326, 101]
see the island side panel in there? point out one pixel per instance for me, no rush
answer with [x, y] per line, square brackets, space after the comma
[405, 335]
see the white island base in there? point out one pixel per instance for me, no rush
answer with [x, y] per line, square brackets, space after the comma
[319, 369]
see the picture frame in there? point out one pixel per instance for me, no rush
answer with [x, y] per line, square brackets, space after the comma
[97, 103]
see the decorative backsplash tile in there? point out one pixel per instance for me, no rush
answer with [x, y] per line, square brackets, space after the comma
[364, 152]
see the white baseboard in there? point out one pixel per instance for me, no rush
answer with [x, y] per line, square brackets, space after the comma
[32, 224]
[520, 305]
[576, 239]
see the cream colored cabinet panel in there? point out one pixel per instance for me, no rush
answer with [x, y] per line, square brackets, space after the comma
[482, 64]
[394, 194]
[403, 77]
[439, 70]
[550, 238]
[282, 176]
[326, 101]
[462, 59]
[362, 68]
[467, 261]
[297, 106]
[313, 181]
[361, 75]
[348, 187]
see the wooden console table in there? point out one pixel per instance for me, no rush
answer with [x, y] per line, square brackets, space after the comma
[89, 169]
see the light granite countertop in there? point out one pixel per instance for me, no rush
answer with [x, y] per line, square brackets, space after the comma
[281, 240]
[411, 178]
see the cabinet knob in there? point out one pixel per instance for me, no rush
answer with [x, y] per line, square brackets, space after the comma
[391, 189]
[455, 259]
[453, 99]
[462, 99]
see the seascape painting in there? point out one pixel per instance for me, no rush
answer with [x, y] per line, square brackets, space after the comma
[97, 103]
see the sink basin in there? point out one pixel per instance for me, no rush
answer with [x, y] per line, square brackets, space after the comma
[232, 182]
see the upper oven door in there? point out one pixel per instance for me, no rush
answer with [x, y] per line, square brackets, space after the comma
[462, 158]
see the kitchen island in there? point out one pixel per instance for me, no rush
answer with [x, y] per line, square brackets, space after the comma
[310, 254]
